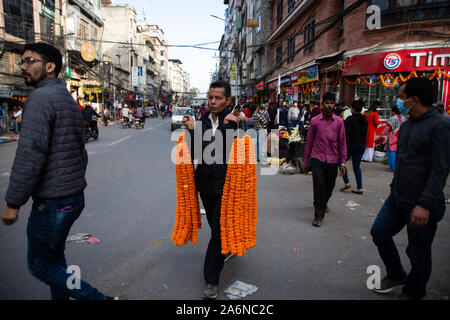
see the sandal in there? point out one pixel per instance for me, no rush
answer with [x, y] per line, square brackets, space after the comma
[316, 223]
[357, 191]
[345, 187]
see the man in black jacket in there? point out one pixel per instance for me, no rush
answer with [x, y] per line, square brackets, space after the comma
[417, 198]
[49, 166]
[90, 116]
[210, 173]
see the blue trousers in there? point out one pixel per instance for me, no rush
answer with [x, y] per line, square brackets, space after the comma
[356, 151]
[392, 218]
[391, 157]
[48, 226]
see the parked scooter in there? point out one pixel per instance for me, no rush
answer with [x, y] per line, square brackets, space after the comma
[126, 123]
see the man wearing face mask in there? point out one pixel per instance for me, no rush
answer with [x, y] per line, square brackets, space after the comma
[417, 199]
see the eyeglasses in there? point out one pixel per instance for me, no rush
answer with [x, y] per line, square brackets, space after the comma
[28, 61]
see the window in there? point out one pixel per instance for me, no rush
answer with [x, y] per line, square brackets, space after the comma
[18, 16]
[83, 30]
[291, 5]
[308, 36]
[162, 63]
[93, 33]
[279, 13]
[404, 11]
[279, 56]
[47, 28]
[291, 49]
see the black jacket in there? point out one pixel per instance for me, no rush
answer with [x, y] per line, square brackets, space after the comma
[423, 160]
[88, 113]
[206, 169]
[51, 159]
[356, 129]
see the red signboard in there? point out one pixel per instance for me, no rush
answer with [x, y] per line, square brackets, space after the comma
[398, 61]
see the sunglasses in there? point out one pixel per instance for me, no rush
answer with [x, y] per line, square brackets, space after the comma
[29, 61]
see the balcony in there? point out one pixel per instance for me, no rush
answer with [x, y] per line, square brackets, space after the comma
[418, 13]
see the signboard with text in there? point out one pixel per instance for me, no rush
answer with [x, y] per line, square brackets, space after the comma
[398, 61]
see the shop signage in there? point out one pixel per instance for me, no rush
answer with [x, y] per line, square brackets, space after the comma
[307, 75]
[398, 61]
[87, 52]
[285, 81]
[260, 86]
[252, 23]
[134, 76]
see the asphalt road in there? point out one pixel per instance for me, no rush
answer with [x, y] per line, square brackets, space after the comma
[130, 207]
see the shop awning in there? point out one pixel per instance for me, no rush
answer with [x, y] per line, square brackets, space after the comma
[330, 56]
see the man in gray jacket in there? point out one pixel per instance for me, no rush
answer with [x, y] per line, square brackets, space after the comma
[417, 199]
[49, 166]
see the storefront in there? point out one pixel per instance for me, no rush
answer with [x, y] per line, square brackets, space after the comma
[378, 76]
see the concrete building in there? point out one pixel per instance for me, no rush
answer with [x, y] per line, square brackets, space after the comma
[179, 82]
[162, 54]
[83, 50]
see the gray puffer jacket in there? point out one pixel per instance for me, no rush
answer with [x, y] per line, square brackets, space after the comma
[51, 158]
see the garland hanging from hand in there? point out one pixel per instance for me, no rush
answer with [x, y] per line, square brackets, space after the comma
[188, 217]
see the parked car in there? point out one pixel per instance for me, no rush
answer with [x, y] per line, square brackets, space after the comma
[177, 116]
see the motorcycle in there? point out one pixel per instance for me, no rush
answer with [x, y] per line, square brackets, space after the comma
[139, 123]
[90, 132]
[126, 123]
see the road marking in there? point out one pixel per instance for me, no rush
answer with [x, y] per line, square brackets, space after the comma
[120, 140]
[147, 129]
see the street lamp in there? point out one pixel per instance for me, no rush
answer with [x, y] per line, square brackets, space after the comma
[217, 17]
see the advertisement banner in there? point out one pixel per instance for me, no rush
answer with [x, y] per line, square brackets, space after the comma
[398, 61]
[307, 75]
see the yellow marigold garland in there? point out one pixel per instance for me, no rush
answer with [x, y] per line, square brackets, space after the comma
[239, 203]
[188, 218]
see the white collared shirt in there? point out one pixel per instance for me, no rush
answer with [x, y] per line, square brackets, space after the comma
[214, 125]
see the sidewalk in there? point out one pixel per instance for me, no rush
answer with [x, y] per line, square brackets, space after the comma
[8, 137]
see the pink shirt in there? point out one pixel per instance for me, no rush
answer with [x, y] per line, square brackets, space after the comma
[326, 140]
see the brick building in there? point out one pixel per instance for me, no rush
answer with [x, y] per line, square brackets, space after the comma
[319, 46]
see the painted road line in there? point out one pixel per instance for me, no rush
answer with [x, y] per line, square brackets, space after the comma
[120, 140]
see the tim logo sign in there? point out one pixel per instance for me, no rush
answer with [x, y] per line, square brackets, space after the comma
[392, 61]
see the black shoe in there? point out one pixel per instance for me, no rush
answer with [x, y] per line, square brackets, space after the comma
[387, 285]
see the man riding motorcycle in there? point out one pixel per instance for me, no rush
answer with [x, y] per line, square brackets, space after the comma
[139, 113]
[90, 116]
[126, 113]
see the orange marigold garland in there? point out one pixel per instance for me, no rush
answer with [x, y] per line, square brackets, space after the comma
[239, 203]
[188, 218]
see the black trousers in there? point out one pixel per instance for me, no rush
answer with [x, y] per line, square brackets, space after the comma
[211, 195]
[324, 179]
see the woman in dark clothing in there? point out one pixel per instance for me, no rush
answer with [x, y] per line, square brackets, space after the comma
[356, 131]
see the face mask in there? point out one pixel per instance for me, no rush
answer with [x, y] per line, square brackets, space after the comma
[401, 107]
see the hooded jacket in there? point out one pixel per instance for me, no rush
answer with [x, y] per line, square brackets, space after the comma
[423, 160]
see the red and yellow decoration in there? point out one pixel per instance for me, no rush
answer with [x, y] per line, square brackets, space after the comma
[384, 79]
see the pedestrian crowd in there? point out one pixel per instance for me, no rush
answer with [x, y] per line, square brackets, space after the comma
[51, 160]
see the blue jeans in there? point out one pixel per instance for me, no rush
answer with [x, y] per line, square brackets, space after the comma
[391, 157]
[48, 226]
[356, 151]
[393, 216]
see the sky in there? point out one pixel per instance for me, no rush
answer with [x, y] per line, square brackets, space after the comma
[187, 22]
